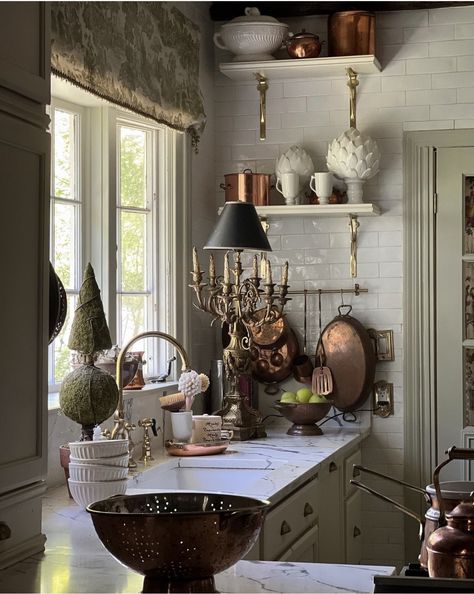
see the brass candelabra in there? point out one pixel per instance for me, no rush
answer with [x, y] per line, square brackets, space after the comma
[241, 303]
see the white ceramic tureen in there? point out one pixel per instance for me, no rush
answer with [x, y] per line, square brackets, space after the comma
[252, 37]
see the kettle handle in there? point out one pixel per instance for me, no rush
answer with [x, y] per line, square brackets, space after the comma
[453, 453]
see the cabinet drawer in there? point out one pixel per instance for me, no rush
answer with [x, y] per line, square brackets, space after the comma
[289, 520]
[304, 550]
[355, 458]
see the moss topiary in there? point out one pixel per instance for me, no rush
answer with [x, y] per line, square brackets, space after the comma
[89, 331]
[88, 394]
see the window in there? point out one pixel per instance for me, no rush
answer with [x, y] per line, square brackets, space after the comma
[66, 224]
[113, 202]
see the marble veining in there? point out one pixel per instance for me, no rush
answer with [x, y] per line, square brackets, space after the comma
[75, 560]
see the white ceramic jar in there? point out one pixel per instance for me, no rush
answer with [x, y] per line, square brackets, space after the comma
[253, 37]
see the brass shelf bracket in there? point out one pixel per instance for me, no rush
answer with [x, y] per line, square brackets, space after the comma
[262, 87]
[353, 226]
[352, 83]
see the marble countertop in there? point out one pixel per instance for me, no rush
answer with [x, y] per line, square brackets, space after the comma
[268, 468]
[75, 560]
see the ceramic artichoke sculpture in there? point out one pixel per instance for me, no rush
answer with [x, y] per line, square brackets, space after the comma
[295, 160]
[88, 394]
[353, 155]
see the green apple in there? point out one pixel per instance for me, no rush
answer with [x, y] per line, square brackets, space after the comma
[303, 395]
[318, 398]
[288, 397]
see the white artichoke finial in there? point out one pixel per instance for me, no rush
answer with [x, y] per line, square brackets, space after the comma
[295, 160]
[353, 155]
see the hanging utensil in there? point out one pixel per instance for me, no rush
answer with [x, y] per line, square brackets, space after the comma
[302, 365]
[322, 377]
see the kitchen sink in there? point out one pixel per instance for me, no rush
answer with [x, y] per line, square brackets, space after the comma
[225, 474]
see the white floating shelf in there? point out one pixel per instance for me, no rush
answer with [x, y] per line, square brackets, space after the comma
[301, 68]
[316, 210]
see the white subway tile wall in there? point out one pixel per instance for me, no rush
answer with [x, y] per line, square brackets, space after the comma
[426, 83]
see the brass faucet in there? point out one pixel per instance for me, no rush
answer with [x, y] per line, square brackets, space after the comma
[147, 424]
[122, 428]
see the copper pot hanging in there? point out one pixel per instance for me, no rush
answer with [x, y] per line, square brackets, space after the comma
[247, 187]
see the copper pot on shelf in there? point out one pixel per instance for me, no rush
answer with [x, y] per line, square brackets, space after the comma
[351, 33]
[247, 187]
[303, 45]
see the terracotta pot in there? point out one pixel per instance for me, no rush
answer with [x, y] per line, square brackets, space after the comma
[64, 454]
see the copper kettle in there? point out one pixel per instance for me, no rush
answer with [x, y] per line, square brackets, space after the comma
[451, 547]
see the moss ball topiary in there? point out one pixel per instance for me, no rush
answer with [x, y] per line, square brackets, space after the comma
[88, 395]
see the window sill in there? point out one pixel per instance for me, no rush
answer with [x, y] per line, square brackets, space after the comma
[149, 389]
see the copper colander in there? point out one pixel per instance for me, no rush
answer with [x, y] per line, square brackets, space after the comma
[178, 541]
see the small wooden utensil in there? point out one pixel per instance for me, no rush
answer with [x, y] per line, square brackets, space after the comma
[322, 377]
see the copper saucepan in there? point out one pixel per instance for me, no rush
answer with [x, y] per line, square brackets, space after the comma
[247, 187]
[453, 492]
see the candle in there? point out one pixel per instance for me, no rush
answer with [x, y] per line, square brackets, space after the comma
[226, 269]
[268, 273]
[263, 267]
[284, 274]
[255, 267]
[212, 270]
[196, 268]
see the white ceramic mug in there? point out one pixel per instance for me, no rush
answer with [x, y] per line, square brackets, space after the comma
[182, 425]
[206, 428]
[323, 183]
[288, 184]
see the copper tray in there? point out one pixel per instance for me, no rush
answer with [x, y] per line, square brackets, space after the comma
[350, 357]
[208, 448]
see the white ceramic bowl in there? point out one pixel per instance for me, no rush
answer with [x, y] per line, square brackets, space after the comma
[104, 448]
[96, 472]
[85, 493]
[121, 460]
[252, 37]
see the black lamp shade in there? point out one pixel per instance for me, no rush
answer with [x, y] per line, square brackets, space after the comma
[238, 228]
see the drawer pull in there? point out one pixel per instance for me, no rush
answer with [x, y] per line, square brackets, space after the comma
[308, 510]
[332, 467]
[285, 528]
[355, 471]
[5, 531]
[357, 532]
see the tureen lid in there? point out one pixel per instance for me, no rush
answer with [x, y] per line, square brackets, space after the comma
[253, 16]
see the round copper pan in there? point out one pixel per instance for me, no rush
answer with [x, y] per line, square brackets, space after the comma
[350, 357]
[274, 363]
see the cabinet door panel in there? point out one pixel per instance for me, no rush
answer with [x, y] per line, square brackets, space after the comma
[289, 520]
[331, 516]
[353, 528]
[304, 550]
[355, 458]
[24, 171]
[24, 49]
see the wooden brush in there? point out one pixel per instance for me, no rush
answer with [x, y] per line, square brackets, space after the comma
[173, 402]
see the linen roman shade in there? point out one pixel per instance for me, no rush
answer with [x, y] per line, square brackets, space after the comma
[143, 56]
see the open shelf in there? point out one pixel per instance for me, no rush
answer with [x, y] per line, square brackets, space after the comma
[300, 68]
[316, 210]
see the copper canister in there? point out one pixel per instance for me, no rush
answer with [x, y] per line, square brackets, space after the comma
[351, 33]
[247, 187]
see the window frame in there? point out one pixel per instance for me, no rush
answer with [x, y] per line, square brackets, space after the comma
[170, 219]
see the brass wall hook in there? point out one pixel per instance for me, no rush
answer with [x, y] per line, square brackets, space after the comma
[353, 225]
[352, 83]
[262, 87]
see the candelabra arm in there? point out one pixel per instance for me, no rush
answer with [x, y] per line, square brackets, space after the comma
[119, 417]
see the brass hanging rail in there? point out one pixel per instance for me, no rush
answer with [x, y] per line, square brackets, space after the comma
[356, 291]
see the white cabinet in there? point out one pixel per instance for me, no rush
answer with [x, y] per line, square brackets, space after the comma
[24, 171]
[331, 513]
[353, 528]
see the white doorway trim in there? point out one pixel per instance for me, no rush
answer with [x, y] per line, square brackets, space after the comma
[419, 310]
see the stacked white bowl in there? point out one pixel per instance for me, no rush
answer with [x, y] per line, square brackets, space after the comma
[97, 469]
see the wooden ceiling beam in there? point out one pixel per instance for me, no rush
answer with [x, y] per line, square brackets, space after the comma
[224, 11]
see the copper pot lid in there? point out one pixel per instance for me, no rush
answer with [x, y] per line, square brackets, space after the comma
[304, 35]
[350, 357]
